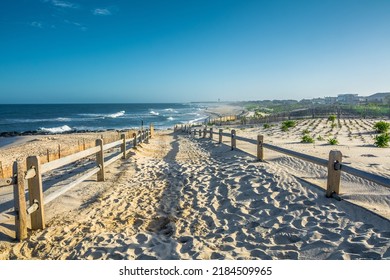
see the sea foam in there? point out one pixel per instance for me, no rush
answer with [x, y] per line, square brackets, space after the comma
[58, 129]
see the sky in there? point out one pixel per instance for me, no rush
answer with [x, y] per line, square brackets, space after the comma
[97, 51]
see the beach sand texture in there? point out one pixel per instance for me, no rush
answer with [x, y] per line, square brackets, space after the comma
[183, 198]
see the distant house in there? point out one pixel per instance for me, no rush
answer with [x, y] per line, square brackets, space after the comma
[380, 98]
[348, 98]
[330, 100]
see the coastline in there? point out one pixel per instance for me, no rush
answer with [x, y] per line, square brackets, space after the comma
[184, 198]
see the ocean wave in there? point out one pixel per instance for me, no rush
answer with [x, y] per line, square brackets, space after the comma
[58, 129]
[116, 115]
[170, 119]
[154, 113]
[103, 116]
[171, 110]
[63, 119]
[197, 119]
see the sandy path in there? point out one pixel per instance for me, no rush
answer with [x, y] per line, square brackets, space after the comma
[181, 198]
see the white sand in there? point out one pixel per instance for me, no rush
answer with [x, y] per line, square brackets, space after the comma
[181, 198]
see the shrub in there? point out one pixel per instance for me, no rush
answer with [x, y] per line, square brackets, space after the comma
[382, 126]
[306, 131]
[382, 140]
[266, 125]
[331, 118]
[320, 138]
[287, 124]
[333, 141]
[307, 139]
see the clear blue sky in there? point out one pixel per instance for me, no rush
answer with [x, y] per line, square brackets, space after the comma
[55, 51]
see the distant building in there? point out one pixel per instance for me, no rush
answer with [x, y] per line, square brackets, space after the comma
[380, 98]
[330, 100]
[348, 98]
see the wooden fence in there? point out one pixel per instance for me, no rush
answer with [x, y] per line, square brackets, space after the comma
[29, 175]
[333, 163]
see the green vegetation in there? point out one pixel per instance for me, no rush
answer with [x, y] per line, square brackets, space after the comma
[266, 125]
[333, 141]
[332, 118]
[382, 140]
[382, 126]
[287, 124]
[320, 138]
[306, 131]
[307, 139]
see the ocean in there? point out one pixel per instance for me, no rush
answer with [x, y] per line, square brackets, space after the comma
[60, 118]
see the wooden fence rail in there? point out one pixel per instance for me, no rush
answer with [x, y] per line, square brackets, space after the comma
[32, 179]
[334, 163]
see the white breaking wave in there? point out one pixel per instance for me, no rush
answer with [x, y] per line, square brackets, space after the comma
[116, 115]
[170, 119]
[171, 110]
[154, 113]
[59, 129]
[197, 120]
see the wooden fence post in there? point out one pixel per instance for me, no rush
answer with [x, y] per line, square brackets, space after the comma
[134, 140]
[48, 155]
[123, 146]
[100, 161]
[59, 151]
[20, 202]
[211, 133]
[1, 170]
[220, 136]
[260, 150]
[35, 192]
[83, 144]
[233, 136]
[151, 130]
[139, 136]
[200, 132]
[334, 173]
[204, 132]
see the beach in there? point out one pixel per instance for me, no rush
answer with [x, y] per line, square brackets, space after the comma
[181, 197]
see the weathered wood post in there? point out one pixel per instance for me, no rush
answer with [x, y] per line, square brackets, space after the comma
[334, 173]
[123, 146]
[59, 151]
[233, 136]
[20, 202]
[100, 160]
[204, 132]
[220, 136]
[35, 193]
[147, 136]
[1, 170]
[260, 150]
[211, 133]
[134, 140]
[151, 130]
[200, 132]
[84, 144]
[48, 155]
[139, 136]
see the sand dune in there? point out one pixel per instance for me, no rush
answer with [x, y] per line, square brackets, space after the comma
[183, 198]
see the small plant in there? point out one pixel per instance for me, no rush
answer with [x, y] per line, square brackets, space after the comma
[333, 141]
[320, 138]
[382, 126]
[382, 140]
[307, 139]
[332, 118]
[266, 125]
[306, 131]
[287, 124]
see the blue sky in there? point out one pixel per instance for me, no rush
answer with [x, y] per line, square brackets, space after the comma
[80, 51]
